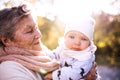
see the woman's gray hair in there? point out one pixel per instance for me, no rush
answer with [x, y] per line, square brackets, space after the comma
[9, 18]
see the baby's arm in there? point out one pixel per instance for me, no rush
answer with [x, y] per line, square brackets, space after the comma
[75, 71]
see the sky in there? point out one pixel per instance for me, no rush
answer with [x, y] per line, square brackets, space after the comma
[72, 9]
[66, 10]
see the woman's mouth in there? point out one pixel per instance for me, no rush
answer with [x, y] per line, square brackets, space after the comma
[36, 43]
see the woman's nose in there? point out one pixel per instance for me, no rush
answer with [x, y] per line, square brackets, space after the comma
[38, 34]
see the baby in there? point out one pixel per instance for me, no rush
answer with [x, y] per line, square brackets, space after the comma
[75, 51]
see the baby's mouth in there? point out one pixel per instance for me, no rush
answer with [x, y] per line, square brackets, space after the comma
[76, 48]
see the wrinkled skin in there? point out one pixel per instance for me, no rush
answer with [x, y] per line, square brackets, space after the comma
[27, 36]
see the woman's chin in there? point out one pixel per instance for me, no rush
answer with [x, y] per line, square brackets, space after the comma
[37, 47]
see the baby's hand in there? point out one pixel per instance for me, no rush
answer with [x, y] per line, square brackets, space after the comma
[50, 66]
[44, 58]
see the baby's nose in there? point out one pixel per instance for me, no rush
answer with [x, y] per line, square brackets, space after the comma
[77, 41]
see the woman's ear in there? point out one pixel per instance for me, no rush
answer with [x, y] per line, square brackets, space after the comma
[5, 41]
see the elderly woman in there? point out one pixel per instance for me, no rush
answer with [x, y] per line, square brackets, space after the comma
[20, 46]
[18, 28]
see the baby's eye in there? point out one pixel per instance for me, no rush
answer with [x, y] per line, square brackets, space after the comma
[84, 39]
[72, 37]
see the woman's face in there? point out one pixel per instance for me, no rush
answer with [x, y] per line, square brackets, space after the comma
[27, 35]
[76, 41]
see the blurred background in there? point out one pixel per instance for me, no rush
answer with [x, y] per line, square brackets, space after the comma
[53, 15]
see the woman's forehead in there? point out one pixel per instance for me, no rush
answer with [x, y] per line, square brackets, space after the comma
[27, 21]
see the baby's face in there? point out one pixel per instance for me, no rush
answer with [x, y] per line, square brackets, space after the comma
[76, 41]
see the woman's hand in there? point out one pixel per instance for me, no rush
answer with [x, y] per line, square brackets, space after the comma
[92, 73]
[48, 76]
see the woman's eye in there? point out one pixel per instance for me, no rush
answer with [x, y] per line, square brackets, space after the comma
[30, 31]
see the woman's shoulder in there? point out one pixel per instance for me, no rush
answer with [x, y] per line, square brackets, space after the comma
[10, 65]
[8, 62]
[12, 69]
